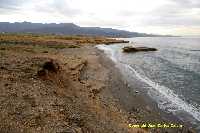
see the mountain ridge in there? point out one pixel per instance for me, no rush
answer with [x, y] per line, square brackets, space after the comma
[68, 29]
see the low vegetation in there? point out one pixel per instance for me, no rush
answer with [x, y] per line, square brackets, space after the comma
[34, 43]
[49, 40]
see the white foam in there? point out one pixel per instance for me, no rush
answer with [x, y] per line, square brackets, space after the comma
[167, 98]
[108, 51]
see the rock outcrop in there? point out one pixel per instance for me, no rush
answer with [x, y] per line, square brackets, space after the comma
[129, 49]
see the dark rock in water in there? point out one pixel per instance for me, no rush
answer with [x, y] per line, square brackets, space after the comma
[129, 49]
[195, 50]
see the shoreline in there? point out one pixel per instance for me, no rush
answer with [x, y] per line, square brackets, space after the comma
[73, 87]
[147, 109]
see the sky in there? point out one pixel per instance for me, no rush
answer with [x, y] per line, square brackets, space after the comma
[175, 17]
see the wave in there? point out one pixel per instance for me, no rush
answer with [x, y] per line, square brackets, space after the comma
[167, 98]
[164, 96]
[108, 51]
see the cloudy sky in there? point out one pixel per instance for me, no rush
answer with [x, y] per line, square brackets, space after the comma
[177, 17]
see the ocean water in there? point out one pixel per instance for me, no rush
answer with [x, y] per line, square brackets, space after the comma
[170, 76]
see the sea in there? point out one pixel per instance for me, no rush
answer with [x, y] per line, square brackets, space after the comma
[169, 76]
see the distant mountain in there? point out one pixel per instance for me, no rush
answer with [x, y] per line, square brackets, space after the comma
[66, 29]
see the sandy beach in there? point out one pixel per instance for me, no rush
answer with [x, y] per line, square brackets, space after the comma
[70, 90]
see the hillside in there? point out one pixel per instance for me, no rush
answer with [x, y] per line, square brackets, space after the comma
[66, 29]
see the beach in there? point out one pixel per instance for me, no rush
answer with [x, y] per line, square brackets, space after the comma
[74, 89]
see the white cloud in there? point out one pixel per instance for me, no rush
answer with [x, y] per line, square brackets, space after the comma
[150, 16]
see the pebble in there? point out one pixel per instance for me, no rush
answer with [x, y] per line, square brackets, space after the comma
[148, 109]
[191, 131]
[65, 123]
[136, 91]
[39, 128]
[61, 109]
